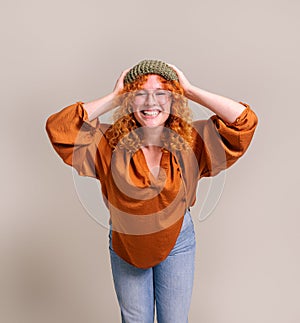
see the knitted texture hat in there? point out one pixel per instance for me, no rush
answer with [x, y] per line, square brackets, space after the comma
[150, 67]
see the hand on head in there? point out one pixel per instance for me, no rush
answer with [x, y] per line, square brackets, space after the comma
[184, 82]
[158, 67]
[120, 82]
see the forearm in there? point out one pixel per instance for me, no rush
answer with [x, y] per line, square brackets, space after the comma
[225, 108]
[100, 106]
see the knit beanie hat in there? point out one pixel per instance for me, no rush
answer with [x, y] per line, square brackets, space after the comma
[150, 67]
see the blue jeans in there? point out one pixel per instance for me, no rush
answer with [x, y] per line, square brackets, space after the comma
[168, 284]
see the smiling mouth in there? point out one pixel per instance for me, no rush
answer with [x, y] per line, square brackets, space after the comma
[151, 113]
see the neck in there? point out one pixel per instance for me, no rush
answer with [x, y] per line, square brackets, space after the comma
[152, 136]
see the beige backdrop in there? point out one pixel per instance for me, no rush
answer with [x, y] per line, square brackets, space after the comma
[54, 258]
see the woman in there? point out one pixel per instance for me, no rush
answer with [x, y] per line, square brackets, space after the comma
[149, 162]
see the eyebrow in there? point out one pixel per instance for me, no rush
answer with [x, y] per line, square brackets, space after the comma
[158, 88]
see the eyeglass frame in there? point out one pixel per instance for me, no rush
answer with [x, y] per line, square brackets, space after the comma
[152, 92]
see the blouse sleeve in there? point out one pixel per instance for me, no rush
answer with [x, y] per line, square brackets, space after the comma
[219, 144]
[77, 140]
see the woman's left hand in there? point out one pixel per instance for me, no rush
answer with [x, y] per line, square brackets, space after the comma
[226, 108]
[184, 82]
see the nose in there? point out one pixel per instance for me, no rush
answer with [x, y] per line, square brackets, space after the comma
[150, 100]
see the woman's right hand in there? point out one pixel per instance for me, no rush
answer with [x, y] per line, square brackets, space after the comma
[100, 106]
[120, 82]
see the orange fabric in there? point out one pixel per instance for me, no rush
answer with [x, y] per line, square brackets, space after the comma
[146, 212]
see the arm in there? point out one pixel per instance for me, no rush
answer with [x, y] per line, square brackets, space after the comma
[76, 134]
[100, 106]
[227, 109]
[218, 144]
[222, 139]
[75, 139]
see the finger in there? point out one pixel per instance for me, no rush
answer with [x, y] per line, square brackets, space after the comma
[126, 71]
[175, 68]
[180, 74]
[123, 74]
[119, 83]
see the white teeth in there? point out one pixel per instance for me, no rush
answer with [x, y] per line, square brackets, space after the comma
[151, 112]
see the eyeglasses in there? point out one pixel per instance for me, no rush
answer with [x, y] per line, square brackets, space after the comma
[159, 96]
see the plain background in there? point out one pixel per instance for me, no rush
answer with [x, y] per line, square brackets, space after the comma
[54, 258]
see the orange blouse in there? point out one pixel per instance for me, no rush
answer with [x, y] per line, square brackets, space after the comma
[146, 213]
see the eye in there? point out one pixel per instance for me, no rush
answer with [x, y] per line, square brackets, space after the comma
[140, 93]
[160, 93]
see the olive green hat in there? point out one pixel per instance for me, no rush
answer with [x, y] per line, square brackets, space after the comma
[148, 66]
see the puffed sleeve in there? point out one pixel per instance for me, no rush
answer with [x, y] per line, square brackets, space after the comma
[219, 144]
[79, 142]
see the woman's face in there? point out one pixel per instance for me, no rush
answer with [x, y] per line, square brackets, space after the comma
[152, 104]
